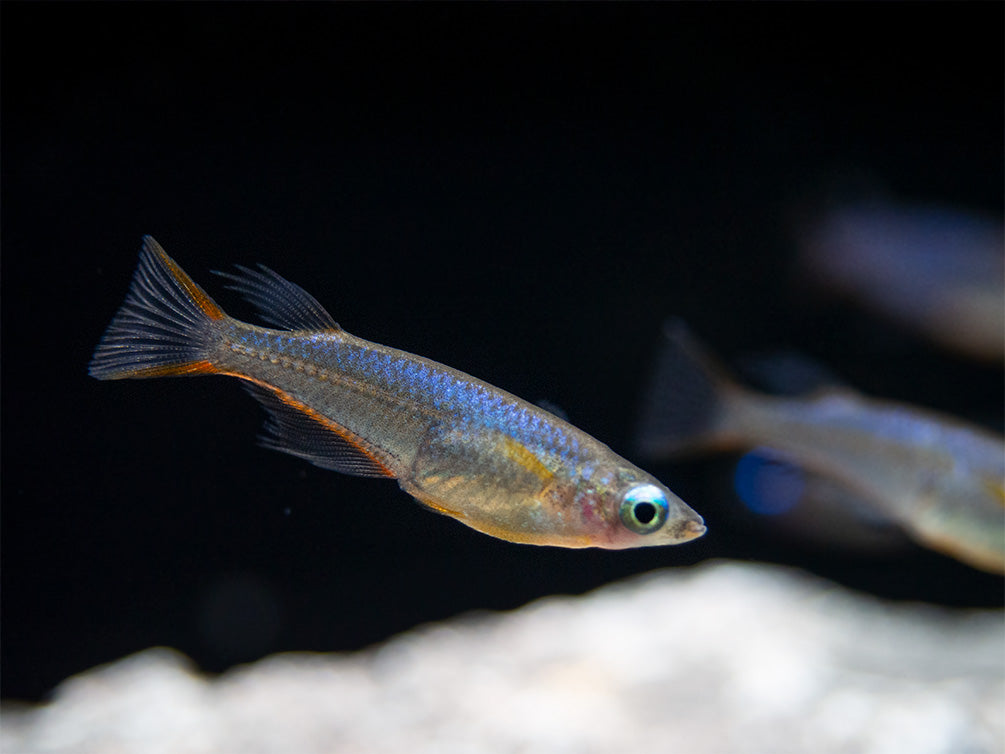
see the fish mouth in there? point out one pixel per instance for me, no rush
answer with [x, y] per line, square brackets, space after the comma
[691, 529]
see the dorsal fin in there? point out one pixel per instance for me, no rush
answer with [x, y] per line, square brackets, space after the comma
[278, 301]
[292, 428]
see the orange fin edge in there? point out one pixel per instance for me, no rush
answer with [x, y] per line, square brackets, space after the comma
[295, 428]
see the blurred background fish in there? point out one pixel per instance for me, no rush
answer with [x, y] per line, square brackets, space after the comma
[937, 477]
[934, 269]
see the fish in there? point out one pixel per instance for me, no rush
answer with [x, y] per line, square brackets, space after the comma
[936, 270]
[940, 479]
[456, 444]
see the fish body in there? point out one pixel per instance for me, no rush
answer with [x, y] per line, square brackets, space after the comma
[459, 445]
[936, 270]
[941, 479]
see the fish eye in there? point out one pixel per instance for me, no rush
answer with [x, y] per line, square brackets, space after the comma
[644, 509]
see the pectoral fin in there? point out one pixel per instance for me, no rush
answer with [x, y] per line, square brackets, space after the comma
[487, 480]
[525, 459]
[460, 469]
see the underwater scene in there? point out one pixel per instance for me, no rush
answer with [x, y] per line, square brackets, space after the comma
[503, 377]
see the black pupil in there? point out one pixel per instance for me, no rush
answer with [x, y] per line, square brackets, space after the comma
[645, 512]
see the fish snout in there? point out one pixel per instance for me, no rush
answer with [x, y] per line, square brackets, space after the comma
[691, 527]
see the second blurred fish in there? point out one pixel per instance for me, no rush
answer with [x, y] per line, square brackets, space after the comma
[942, 480]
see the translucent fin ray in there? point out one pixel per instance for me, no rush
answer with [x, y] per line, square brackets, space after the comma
[164, 326]
[278, 301]
[682, 408]
[292, 428]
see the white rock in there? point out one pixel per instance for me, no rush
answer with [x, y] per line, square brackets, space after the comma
[719, 658]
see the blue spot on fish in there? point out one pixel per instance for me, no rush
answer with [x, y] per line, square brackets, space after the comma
[766, 485]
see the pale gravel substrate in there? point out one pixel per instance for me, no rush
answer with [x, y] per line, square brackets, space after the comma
[718, 658]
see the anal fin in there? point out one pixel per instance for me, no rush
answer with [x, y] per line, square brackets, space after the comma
[296, 429]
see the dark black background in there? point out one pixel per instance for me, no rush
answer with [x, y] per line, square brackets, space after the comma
[520, 191]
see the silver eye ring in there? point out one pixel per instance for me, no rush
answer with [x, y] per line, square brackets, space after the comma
[644, 509]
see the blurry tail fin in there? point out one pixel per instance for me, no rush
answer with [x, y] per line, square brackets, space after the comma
[687, 404]
[164, 327]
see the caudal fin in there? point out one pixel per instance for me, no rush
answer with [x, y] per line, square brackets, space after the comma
[165, 326]
[687, 404]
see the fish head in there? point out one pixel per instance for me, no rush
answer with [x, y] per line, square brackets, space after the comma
[630, 508]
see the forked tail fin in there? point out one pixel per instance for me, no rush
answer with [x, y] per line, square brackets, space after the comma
[165, 326]
[687, 405]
